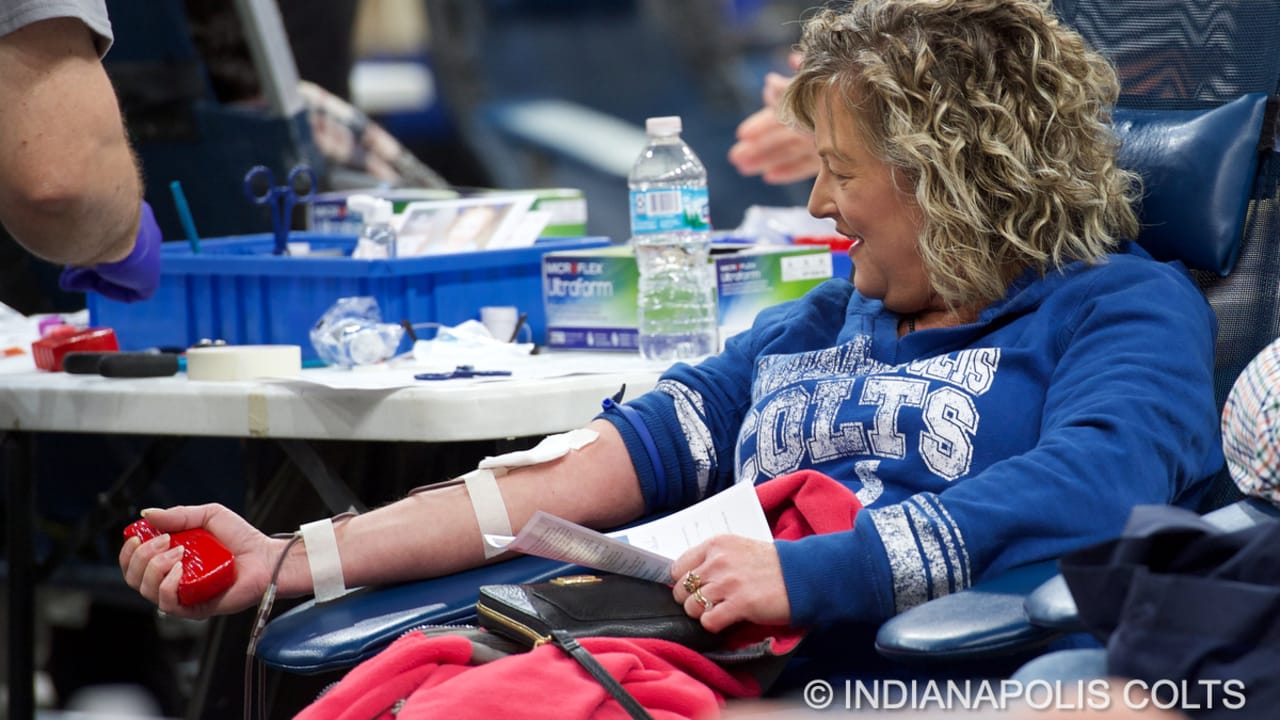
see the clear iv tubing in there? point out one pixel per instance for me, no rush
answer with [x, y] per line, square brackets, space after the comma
[260, 622]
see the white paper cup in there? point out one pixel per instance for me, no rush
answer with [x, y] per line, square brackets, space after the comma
[500, 320]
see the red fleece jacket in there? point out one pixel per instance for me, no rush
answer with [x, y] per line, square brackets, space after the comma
[428, 677]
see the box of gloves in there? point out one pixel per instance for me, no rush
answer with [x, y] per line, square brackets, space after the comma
[590, 295]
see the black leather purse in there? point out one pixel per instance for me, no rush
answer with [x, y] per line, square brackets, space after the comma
[590, 606]
[560, 610]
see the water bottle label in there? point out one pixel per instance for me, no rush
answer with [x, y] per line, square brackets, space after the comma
[669, 209]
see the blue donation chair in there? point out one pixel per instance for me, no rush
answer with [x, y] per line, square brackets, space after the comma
[1200, 127]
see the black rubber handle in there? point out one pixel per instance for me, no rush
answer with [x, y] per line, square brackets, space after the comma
[82, 363]
[136, 365]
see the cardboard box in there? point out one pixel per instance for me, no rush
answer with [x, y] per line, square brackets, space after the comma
[590, 298]
[327, 213]
[566, 208]
[764, 275]
[590, 295]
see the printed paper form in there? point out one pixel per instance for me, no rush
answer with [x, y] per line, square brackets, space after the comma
[645, 551]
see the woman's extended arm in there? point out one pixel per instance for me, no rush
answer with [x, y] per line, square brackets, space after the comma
[423, 535]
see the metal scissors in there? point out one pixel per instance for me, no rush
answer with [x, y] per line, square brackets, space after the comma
[260, 186]
[461, 371]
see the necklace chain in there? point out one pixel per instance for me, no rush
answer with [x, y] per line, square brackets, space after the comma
[911, 324]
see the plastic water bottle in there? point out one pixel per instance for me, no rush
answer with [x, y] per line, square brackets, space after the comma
[671, 235]
[377, 238]
[351, 333]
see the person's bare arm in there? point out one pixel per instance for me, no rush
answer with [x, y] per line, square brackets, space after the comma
[434, 533]
[424, 535]
[69, 186]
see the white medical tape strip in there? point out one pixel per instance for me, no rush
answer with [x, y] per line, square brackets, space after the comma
[322, 556]
[259, 416]
[489, 507]
[243, 362]
[551, 448]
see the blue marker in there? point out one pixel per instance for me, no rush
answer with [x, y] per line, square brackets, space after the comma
[184, 215]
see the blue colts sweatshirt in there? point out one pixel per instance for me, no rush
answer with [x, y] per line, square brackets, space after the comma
[973, 449]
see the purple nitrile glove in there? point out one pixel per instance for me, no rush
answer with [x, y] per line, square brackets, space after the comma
[129, 280]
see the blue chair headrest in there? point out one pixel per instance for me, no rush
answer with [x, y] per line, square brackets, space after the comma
[1197, 168]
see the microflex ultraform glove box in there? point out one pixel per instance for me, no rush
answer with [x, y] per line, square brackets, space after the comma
[590, 295]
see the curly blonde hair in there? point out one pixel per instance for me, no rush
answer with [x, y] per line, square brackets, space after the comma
[997, 115]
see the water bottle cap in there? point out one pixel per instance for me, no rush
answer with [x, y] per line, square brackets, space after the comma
[372, 209]
[663, 126]
[366, 347]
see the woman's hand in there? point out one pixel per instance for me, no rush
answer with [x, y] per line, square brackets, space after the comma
[153, 568]
[741, 579]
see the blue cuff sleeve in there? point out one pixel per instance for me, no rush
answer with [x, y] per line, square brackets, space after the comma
[640, 446]
[838, 577]
[656, 457]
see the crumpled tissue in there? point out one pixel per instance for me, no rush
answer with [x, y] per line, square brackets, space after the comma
[468, 343]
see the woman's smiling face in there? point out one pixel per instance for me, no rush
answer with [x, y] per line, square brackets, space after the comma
[870, 205]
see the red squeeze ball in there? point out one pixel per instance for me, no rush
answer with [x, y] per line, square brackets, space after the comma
[208, 568]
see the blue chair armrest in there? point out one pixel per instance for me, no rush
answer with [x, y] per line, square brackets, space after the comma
[1051, 606]
[317, 637]
[985, 621]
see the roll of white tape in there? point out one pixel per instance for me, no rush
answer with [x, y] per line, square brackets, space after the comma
[243, 362]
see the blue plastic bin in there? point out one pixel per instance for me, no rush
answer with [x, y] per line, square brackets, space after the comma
[236, 290]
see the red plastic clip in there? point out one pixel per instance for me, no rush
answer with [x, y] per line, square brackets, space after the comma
[49, 351]
[208, 568]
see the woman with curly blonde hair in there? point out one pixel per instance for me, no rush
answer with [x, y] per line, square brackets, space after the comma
[996, 117]
[993, 385]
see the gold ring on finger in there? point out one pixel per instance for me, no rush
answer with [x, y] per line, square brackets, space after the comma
[697, 595]
[692, 582]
